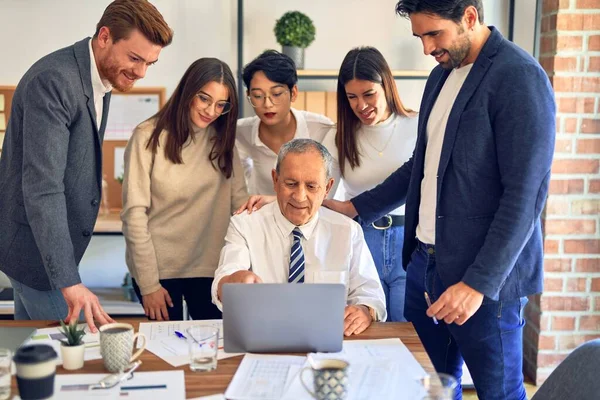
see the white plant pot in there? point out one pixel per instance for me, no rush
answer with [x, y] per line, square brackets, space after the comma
[72, 356]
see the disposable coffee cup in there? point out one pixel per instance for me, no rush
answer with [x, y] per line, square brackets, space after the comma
[36, 368]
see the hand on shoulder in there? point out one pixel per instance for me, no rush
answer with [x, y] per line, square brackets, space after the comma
[255, 203]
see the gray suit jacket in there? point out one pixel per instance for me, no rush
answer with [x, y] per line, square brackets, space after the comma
[51, 171]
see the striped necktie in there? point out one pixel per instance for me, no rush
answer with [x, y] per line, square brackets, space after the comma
[296, 259]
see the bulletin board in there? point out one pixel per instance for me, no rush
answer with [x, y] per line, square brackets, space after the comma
[126, 111]
[6, 96]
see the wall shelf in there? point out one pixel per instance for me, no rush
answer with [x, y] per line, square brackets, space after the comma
[332, 74]
[302, 74]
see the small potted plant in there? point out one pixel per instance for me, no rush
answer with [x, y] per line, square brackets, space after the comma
[295, 32]
[72, 348]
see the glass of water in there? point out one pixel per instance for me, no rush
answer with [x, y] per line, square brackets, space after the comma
[5, 373]
[439, 386]
[203, 341]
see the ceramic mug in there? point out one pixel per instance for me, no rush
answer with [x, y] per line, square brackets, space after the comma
[330, 379]
[116, 346]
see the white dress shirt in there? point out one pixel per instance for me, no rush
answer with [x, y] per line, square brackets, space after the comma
[436, 130]
[99, 87]
[334, 248]
[259, 160]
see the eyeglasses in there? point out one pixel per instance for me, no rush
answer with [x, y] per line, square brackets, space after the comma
[258, 100]
[221, 107]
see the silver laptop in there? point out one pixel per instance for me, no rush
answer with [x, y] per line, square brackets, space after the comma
[13, 337]
[296, 318]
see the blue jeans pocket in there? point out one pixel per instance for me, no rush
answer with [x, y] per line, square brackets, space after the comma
[509, 314]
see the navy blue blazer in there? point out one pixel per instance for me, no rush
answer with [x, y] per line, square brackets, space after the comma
[493, 175]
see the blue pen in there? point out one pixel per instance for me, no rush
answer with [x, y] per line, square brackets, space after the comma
[435, 321]
[180, 335]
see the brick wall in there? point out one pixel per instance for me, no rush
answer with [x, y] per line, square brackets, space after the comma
[568, 312]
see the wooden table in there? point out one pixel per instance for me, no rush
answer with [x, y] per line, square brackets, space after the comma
[206, 383]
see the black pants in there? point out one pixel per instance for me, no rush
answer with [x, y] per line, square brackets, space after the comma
[196, 292]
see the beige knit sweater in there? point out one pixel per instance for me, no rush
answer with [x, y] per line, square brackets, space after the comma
[175, 216]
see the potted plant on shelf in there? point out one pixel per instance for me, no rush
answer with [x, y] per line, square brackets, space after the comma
[72, 349]
[294, 31]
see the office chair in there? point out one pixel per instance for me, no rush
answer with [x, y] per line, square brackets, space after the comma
[577, 377]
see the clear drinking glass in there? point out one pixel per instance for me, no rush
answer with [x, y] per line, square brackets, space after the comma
[5, 375]
[204, 345]
[439, 387]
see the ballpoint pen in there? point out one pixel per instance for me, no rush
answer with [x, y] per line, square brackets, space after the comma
[435, 321]
[180, 335]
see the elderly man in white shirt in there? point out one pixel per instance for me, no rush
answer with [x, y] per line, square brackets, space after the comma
[295, 240]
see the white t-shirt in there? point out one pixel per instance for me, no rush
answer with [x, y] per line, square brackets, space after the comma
[436, 129]
[259, 160]
[383, 148]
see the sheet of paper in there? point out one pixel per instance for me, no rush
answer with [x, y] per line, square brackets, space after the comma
[166, 329]
[53, 336]
[1, 103]
[2, 121]
[163, 342]
[367, 380]
[167, 385]
[361, 351]
[263, 377]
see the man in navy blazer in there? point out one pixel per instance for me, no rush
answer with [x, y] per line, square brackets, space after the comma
[474, 190]
[51, 165]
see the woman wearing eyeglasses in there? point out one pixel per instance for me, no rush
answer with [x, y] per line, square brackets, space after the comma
[270, 81]
[375, 135]
[183, 179]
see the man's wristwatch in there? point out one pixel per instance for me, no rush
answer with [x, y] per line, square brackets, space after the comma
[372, 313]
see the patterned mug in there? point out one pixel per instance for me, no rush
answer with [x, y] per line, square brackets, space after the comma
[116, 346]
[330, 379]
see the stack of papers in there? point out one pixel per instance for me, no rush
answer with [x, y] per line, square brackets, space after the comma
[53, 337]
[264, 377]
[379, 369]
[164, 343]
[358, 352]
[168, 385]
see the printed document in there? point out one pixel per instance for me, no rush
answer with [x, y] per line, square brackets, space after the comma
[164, 343]
[165, 385]
[263, 377]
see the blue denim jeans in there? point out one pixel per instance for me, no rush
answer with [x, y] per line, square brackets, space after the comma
[490, 342]
[35, 304]
[386, 249]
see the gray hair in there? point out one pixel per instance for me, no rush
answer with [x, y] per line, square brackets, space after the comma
[300, 146]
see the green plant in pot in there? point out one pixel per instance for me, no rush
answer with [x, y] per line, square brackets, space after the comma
[72, 347]
[295, 31]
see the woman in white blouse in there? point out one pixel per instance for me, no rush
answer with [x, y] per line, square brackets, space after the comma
[270, 80]
[375, 135]
[183, 179]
